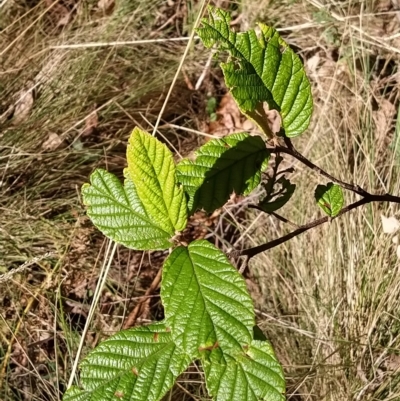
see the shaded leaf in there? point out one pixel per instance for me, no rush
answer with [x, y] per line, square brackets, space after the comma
[232, 164]
[261, 69]
[274, 200]
[330, 198]
[205, 300]
[138, 364]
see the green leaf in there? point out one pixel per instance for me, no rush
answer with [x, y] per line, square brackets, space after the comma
[223, 166]
[251, 374]
[119, 214]
[330, 198]
[138, 364]
[205, 300]
[274, 200]
[152, 169]
[262, 69]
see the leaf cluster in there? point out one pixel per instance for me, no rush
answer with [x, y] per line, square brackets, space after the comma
[209, 315]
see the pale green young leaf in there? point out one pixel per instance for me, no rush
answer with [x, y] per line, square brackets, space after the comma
[330, 198]
[262, 68]
[138, 364]
[251, 374]
[118, 213]
[151, 167]
[232, 164]
[205, 300]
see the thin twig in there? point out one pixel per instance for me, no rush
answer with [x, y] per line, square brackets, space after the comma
[366, 198]
[290, 150]
[250, 252]
[276, 215]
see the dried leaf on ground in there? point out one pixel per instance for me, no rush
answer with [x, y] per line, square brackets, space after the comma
[107, 6]
[91, 124]
[59, 13]
[23, 107]
[52, 143]
[389, 224]
[229, 117]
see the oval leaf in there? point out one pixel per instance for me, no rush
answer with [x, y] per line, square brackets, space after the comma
[152, 169]
[138, 364]
[252, 374]
[330, 198]
[263, 69]
[119, 214]
[232, 164]
[205, 300]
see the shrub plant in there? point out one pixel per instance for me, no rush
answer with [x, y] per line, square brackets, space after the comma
[209, 316]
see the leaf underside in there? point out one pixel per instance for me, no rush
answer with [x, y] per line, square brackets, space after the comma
[232, 164]
[139, 364]
[329, 198]
[262, 69]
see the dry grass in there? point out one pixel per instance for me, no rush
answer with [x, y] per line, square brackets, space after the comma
[63, 112]
[328, 299]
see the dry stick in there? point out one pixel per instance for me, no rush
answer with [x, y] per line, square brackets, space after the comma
[145, 299]
[276, 215]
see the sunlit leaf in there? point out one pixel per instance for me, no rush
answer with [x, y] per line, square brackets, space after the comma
[330, 198]
[118, 213]
[205, 300]
[252, 374]
[262, 68]
[138, 364]
[151, 167]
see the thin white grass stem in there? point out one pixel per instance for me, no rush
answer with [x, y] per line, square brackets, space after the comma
[6, 276]
[84, 46]
[204, 72]
[164, 137]
[191, 38]
[108, 257]
[193, 131]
